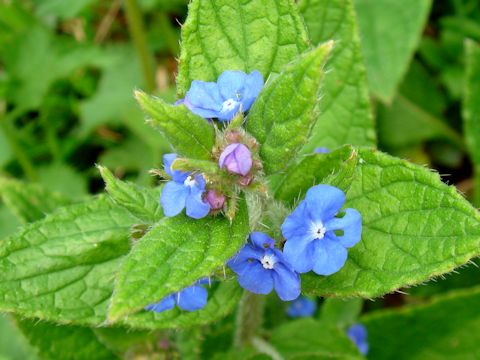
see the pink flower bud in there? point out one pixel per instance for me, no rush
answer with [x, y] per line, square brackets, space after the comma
[215, 199]
[236, 158]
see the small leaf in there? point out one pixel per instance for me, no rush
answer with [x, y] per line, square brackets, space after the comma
[53, 341]
[242, 35]
[388, 41]
[414, 227]
[285, 111]
[308, 337]
[174, 254]
[345, 111]
[316, 169]
[471, 110]
[446, 328]
[29, 202]
[141, 202]
[189, 134]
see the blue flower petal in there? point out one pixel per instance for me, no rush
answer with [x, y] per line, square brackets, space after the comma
[227, 114]
[261, 240]
[196, 207]
[203, 98]
[297, 223]
[231, 84]
[351, 224]
[165, 304]
[324, 202]
[302, 307]
[176, 175]
[329, 256]
[299, 253]
[286, 282]
[358, 334]
[256, 279]
[241, 262]
[173, 198]
[253, 85]
[192, 298]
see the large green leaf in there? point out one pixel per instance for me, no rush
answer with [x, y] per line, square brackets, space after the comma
[143, 203]
[446, 328]
[61, 268]
[471, 110]
[316, 169]
[174, 254]
[286, 109]
[246, 35]
[389, 31]
[414, 227]
[54, 342]
[345, 111]
[29, 202]
[189, 134]
[308, 337]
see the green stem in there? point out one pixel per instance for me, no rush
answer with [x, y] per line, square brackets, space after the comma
[20, 154]
[249, 318]
[137, 32]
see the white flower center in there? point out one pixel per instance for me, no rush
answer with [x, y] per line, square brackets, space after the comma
[229, 105]
[190, 181]
[318, 230]
[268, 261]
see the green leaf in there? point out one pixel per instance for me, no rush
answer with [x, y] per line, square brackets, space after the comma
[390, 31]
[286, 109]
[471, 111]
[62, 268]
[141, 202]
[446, 328]
[313, 338]
[189, 134]
[221, 302]
[174, 254]
[346, 115]
[9, 222]
[414, 227]
[341, 312]
[12, 344]
[53, 341]
[29, 202]
[242, 35]
[317, 168]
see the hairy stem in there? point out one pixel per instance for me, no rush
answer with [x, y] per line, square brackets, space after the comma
[137, 32]
[249, 318]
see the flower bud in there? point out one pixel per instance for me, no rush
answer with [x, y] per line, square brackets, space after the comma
[236, 158]
[245, 180]
[215, 199]
[233, 136]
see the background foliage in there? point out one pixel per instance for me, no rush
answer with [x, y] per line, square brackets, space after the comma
[68, 69]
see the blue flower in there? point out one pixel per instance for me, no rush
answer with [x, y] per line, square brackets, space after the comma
[358, 334]
[223, 99]
[190, 299]
[261, 268]
[317, 234]
[185, 190]
[321, 150]
[302, 307]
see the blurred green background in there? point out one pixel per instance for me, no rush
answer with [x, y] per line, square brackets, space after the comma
[68, 69]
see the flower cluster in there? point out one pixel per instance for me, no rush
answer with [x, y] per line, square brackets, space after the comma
[316, 235]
